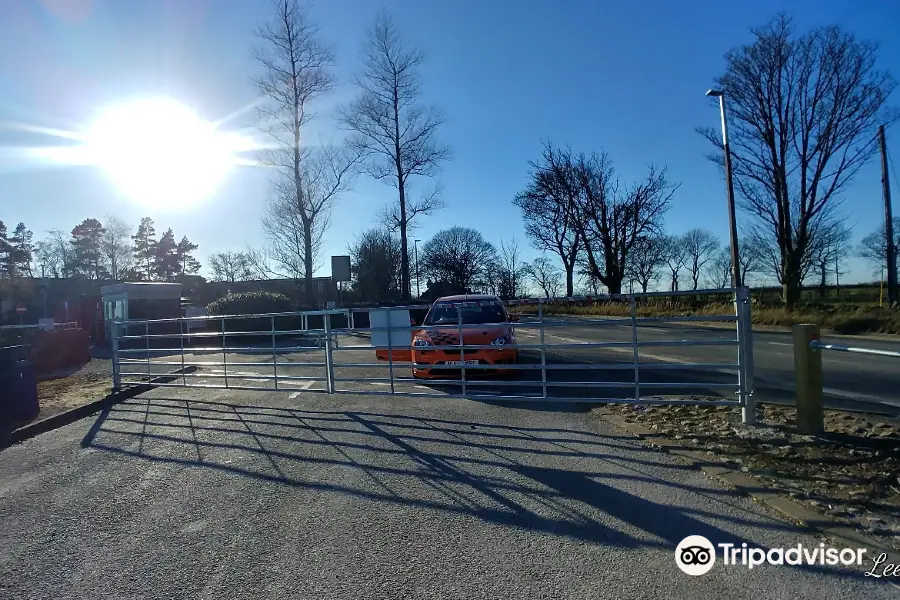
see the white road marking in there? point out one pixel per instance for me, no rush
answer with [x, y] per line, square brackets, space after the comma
[294, 395]
[779, 343]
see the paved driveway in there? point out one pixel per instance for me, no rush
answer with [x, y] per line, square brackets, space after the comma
[229, 495]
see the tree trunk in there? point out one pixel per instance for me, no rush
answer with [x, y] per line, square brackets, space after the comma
[570, 285]
[614, 285]
[404, 249]
[822, 280]
[308, 263]
[790, 276]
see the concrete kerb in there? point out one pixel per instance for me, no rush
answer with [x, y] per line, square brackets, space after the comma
[70, 416]
[748, 486]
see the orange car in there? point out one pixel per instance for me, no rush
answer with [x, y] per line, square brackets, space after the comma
[433, 347]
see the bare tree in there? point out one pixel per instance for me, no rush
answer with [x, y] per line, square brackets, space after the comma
[803, 110]
[611, 221]
[55, 255]
[512, 271]
[231, 266]
[546, 276]
[675, 258]
[115, 244]
[720, 268]
[830, 246]
[548, 208]
[394, 132]
[296, 218]
[458, 256]
[700, 246]
[873, 247]
[646, 260]
[296, 70]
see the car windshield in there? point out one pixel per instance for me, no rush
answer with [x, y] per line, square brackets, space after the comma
[472, 313]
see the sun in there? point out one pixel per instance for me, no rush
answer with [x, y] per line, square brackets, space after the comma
[159, 153]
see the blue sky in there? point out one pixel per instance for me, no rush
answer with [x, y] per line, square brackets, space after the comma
[625, 77]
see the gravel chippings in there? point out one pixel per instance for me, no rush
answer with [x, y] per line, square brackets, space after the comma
[215, 494]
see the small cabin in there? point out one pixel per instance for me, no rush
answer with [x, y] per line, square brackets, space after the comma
[140, 300]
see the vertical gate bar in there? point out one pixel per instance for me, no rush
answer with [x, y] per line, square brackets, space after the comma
[147, 345]
[117, 369]
[181, 335]
[329, 358]
[224, 354]
[462, 351]
[274, 356]
[391, 351]
[543, 350]
[748, 409]
[634, 345]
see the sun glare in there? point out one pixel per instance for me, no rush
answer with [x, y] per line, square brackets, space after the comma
[158, 152]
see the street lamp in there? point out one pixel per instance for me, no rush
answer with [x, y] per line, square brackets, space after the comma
[416, 246]
[735, 261]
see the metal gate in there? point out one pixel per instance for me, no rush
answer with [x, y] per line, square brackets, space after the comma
[636, 357]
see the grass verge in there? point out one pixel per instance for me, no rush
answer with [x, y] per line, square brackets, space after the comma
[843, 319]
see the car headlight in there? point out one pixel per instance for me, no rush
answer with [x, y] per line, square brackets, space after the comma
[500, 341]
[422, 342]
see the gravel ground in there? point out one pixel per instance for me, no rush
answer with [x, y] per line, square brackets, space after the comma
[208, 494]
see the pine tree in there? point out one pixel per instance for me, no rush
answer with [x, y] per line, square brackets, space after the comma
[22, 250]
[145, 248]
[167, 260]
[86, 239]
[7, 263]
[189, 265]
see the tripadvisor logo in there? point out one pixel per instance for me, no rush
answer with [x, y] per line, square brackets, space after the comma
[696, 555]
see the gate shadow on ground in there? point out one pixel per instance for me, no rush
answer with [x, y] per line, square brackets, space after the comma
[493, 472]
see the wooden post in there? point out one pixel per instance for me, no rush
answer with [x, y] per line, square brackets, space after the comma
[808, 373]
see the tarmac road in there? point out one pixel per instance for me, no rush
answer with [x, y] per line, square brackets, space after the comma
[193, 493]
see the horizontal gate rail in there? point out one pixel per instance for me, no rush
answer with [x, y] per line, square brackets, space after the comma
[220, 351]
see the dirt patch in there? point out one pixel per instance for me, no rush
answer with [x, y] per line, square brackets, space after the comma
[851, 473]
[76, 388]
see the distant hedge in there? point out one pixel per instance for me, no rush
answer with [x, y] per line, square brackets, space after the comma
[250, 303]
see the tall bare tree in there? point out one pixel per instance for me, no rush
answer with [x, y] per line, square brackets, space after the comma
[512, 271]
[675, 258]
[548, 208]
[392, 129]
[115, 244]
[612, 220]
[700, 247]
[831, 246]
[231, 266]
[546, 276]
[646, 260]
[873, 247]
[803, 111]
[296, 69]
[298, 213]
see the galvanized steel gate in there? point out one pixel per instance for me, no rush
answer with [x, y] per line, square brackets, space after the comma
[318, 351]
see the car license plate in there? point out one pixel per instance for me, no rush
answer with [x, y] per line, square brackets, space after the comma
[459, 363]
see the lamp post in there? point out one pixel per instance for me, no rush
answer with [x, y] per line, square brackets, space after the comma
[735, 260]
[416, 246]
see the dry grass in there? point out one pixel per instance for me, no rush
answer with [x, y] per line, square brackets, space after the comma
[841, 318]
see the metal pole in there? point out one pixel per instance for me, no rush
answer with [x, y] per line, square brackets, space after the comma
[635, 354]
[462, 351]
[224, 355]
[745, 356]
[274, 356]
[147, 347]
[888, 222]
[181, 336]
[329, 359]
[543, 351]
[735, 254]
[390, 350]
[418, 290]
[116, 367]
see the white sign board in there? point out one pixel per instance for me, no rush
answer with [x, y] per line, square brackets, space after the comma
[340, 268]
[393, 322]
